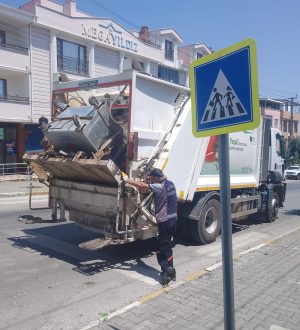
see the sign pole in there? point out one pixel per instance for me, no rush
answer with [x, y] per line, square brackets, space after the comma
[225, 193]
[225, 99]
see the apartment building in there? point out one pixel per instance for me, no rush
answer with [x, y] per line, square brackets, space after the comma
[44, 41]
[15, 83]
[272, 109]
[285, 116]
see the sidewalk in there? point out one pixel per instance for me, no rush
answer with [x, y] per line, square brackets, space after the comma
[21, 188]
[267, 295]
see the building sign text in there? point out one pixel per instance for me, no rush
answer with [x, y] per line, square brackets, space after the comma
[109, 35]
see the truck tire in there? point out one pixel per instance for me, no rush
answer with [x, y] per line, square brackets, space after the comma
[207, 228]
[298, 176]
[273, 207]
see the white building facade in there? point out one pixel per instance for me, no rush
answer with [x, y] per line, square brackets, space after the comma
[64, 43]
[15, 81]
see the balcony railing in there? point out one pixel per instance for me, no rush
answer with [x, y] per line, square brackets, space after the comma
[153, 43]
[13, 47]
[70, 64]
[14, 169]
[14, 99]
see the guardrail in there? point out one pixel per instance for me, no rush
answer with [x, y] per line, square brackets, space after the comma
[14, 98]
[15, 47]
[71, 64]
[14, 169]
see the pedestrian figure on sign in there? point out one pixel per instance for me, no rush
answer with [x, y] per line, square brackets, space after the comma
[217, 101]
[230, 97]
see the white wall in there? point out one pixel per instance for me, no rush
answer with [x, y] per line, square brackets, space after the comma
[182, 78]
[106, 61]
[15, 112]
[153, 69]
[14, 60]
[41, 77]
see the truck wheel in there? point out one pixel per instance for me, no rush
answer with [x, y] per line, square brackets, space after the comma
[207, 228]
[274, 206]
[298, 177]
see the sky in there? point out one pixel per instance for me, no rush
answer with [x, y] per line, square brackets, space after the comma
[274, 24]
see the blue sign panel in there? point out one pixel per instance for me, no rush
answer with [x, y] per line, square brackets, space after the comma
[224, 91]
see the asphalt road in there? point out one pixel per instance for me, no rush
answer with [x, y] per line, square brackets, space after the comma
[48, 282]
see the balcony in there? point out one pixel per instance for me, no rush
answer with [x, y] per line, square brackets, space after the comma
[14, 48]
[15, 102]
[153, 43]
[15, 99]
[12, 111]
[14, 57]
[72, 65]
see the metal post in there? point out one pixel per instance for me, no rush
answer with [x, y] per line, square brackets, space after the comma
[62, 212]
[225, 193]
[54, 208]
[290, 127]
[30, 188]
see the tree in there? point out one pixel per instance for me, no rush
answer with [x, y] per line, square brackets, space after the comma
[293, 152]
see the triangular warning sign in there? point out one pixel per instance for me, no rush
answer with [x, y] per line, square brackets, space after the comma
[223, 102]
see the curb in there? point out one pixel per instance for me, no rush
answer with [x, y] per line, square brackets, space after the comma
[18, 194]
[187, 279]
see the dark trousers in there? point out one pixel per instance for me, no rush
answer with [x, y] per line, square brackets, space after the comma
[166, 231]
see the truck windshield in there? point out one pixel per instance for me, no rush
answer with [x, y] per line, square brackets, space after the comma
[280, 145]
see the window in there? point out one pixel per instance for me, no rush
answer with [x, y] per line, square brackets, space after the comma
[71, 57]
[3, 90]
[275, 122]
[2, 38]
[284, 126]
[295, 127]
[199, 55]
[168, 74]
[169, 50]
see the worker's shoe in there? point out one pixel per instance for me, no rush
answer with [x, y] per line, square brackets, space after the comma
[165, 279]
[171, 273]
[168, 275]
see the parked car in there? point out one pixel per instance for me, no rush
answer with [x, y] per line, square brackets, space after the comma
[292, 172]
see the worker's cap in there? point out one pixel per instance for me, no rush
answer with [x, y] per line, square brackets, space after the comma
[156, 172]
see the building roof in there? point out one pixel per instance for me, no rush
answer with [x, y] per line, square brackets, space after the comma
[169, 31]
[201, 45]
[271, 100]
[16, 14]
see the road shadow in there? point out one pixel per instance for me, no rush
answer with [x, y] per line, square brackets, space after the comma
[250, 222]
[61, 241]
[291, 212]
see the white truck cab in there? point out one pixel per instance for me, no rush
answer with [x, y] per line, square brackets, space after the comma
[277, 153]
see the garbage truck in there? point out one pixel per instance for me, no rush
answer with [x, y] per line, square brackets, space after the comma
[106, 128]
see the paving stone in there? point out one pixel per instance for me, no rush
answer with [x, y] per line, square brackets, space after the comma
[267, 295]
